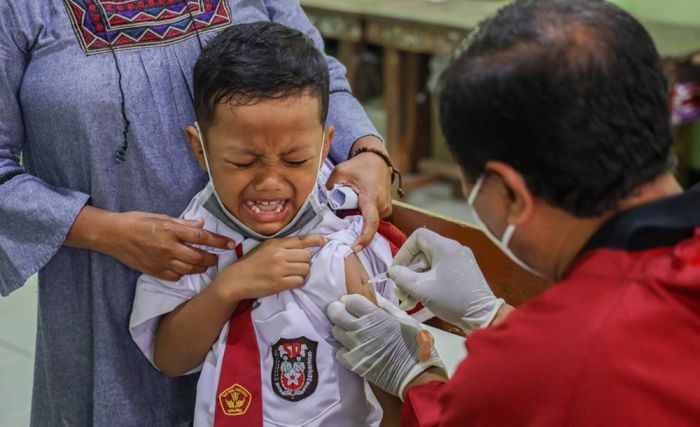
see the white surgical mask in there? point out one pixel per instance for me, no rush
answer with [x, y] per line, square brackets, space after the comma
[504, 242]
[310, 208]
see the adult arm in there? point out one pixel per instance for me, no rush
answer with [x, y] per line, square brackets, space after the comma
[34, 215]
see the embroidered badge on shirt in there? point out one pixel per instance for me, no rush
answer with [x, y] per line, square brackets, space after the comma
[235, 400]
[126, 24]
[294, 374]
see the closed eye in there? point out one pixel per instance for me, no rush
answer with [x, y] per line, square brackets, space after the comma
[242, 165]
[297, 164]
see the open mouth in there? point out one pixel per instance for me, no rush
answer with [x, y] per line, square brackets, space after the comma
[267, 210]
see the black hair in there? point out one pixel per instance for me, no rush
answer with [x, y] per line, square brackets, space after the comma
[247, 63]
[570, 93]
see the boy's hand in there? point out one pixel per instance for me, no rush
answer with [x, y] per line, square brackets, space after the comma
[274, 266]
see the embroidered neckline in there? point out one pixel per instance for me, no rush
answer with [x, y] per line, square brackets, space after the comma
[130, 24]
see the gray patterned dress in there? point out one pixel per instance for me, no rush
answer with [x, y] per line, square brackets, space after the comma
[60, 111]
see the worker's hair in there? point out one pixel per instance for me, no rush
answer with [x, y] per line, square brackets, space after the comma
[247, 63]
[570, 93]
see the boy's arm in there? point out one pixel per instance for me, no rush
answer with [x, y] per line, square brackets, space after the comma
[186, 334]
[356, 283]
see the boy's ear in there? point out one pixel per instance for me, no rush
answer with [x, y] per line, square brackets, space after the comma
[196, 145]
[327, 141]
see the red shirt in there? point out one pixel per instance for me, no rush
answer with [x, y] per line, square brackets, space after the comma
[617, 343]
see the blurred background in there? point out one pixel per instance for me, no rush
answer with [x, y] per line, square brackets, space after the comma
[394, 51]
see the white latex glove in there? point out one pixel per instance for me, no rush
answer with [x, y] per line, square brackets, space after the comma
[454, 288]
[380, 342]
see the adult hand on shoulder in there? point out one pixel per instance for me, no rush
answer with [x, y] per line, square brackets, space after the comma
[368, 174]
[276, 265]
[380, 343]
[454, 288]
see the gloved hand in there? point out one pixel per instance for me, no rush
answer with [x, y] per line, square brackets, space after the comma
[380, 342]
[454, 288]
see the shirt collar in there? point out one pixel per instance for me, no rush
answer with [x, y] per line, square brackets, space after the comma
[662, 223]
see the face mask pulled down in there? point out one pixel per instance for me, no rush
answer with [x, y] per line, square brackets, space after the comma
[309, 209]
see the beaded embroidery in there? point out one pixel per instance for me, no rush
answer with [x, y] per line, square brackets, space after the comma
[129, 24]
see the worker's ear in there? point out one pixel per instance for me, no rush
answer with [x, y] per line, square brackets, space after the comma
[196, 145]
[519, 198]
[328, 136]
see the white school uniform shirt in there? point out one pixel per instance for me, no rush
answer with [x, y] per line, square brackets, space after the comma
[340, 398]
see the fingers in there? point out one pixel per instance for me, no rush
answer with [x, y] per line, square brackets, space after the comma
[408, 281]
[204, 237]
[343, 337]
[420, 241]
[300, 269]
[184, 268]
[169, 275]
[389, 307]
[290, 282]
[340, 317]
[194, 256]
[370, 218]
[336, 177]
[199, 222]
[303, 242]
[358, 305]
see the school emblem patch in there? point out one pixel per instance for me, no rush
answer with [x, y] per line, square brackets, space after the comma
[294, 374]
[235, 400]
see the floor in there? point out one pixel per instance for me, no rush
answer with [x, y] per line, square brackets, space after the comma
[17, 332]
[18, 325]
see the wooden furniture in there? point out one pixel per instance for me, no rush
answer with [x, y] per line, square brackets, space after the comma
[410, 32]
[507, 279]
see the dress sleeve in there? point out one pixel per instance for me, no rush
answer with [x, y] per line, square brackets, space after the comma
[34, 216]
[345, 112]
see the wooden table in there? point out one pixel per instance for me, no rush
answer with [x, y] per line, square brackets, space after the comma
[410, 31]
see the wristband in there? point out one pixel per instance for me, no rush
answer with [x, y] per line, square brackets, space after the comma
[394, 172]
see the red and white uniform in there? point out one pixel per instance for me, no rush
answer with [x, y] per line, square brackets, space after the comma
[617, 343]
[302, 385]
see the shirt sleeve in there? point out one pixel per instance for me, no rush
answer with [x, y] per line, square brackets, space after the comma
[156, 297]
[34, 217]
[421, 409]
[326, 279]
[345, 112]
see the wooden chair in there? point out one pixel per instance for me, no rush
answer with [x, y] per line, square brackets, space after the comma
[507, 279]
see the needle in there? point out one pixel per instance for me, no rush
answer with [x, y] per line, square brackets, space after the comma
[419, 263]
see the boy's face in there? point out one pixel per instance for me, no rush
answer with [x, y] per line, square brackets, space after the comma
[264, 157]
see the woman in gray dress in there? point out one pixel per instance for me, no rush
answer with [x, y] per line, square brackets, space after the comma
[94, 97]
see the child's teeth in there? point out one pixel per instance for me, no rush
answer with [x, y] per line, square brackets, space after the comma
[255, 209]
[279, 208]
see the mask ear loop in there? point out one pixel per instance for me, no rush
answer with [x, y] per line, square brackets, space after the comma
[510, 229]
[204, 150]
[475, 190]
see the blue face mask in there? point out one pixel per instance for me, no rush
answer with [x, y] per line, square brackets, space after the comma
[504, 242]
[309, 209]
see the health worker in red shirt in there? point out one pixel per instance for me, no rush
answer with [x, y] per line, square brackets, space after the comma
[557, 113]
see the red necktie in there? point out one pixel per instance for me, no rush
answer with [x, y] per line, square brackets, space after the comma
[239, 397]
